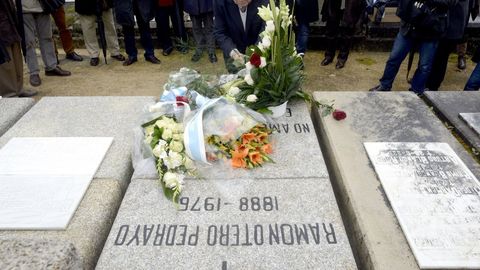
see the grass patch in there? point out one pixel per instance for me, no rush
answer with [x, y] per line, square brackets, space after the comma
[366, 61]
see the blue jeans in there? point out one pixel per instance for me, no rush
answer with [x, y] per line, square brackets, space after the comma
[400, 50]
[302, 36]
[473, 83]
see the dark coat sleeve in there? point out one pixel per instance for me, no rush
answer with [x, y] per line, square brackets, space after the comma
[146, 8]
[221, 30]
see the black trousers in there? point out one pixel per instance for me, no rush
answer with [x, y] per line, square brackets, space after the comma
[339, 36]
[440, 62]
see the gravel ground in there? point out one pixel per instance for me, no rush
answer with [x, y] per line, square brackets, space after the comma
[362, 72]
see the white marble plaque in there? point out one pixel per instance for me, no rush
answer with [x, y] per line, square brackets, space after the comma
[43, 180]
[473, 120]
[436, 200]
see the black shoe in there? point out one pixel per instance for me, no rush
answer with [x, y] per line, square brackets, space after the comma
[118, 57]
[196, 56]
[152, 59]
[462, 63]
[35, 80]
[27, 93]
[340, 63]
[379, 88]
[130, 61]
[327, 60]
[167, 51]
[212, 57]
[94, 61]
[74, 57]
[57, 72]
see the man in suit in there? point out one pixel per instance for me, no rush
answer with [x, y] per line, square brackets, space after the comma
[237, 26]
[11, 60]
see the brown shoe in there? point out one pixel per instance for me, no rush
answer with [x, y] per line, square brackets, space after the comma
[35, 80]
[27, 93]
[57, 72]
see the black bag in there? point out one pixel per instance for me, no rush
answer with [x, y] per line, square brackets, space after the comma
[50, 6]
[426, 17]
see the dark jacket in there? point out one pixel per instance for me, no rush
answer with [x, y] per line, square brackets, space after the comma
[474, 8]
[197, 7]
[407, 29]
[229, 31]
[92, 7]
[458, 20]
[8, 23]
[306, 11]
[354, 9]
[124, 11]
[476, 56]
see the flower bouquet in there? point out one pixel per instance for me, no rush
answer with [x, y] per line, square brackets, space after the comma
[273, 68]
[165, 137]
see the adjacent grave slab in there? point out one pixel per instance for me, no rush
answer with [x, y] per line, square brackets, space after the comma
[230, 224]
[450, 104]
[375, 117]
[473, 120]
[436, 201]
[34, 254]
[90, 225]
[87, 117]
[295, 151]
[11, 109]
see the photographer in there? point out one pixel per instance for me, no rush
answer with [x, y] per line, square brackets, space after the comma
[423, 24]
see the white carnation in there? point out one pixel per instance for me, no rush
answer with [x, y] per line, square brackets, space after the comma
[263, 62]
[173, 180]
[252, 98]
[176, 146]
[173, 160]
[233, 91]
[178, 137]
[167, 134]
[248, 79]
[266, 42]
[189, 163]
[270, 26]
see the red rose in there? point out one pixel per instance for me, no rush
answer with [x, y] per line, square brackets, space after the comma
[255, 60]
[181, 99]
[339, 115]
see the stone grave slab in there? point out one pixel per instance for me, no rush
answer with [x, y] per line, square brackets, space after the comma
[38, 254]
[295, 151]
[375, 117]
[436, 201]
[230, 224]
[87, 117]
[11, 109]
[88, 228]
[473, 120]
[449, 104]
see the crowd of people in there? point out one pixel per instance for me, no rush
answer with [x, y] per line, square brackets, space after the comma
[433, 28]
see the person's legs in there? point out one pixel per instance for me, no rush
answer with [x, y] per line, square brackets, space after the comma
[303, 29]
[401, 48]
[439, 65]
[345, 41]
[129, 39]
[47, 49]
[111, 33]
[163, 29]
[462, 51]
[89, 34]
[209, 38]
[65, 36]
[427, 54]
[473, 83]
[11, 73]
[197, 27]
[144, 29]
[31, 56]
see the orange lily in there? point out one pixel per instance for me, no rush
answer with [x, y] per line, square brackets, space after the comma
[247, 137]
[238, 162]
[255, 157]
[267, 148]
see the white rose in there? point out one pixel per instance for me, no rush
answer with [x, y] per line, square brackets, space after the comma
[266, 42]
[173, 160]
[171, 180]
[178, 137]
[160, 123]
[270, 26]
[167, 134]
[251, 98]
[248, 79]
[176, 146]
[157, 150]
[233, 91]
[263, 62]
[189, 164]
[149, 130]
[148, 139]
